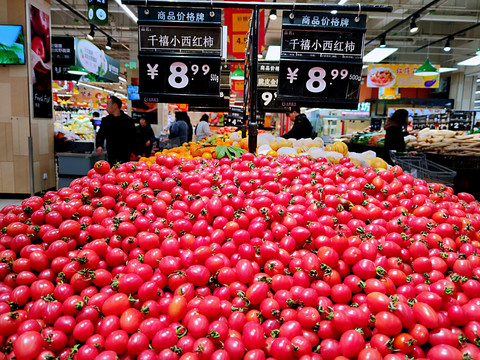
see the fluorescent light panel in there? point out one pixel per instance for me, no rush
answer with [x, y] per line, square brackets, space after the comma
[342, 2]
[127, 10]
[473, 61]
[446, 69]
[378, 54]
[273, 53]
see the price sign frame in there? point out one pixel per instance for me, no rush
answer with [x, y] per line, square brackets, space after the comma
[461, 120]
[460, 125]
[174, 74]
[310, 78]
[306, 75]
[157, 76]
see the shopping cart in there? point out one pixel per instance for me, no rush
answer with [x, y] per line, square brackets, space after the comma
[420, 167]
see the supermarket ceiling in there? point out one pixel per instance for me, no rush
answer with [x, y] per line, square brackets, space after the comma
[443, 18]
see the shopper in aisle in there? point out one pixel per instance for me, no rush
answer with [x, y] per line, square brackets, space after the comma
[302, 128]
[395, 130]
[179, 129]
[190, 127]
[118, 130]
[202, 130]
[145, 138]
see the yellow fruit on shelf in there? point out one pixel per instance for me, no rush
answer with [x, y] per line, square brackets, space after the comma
[285, 143]
[272, 153]
[274, 145]
[378, 163]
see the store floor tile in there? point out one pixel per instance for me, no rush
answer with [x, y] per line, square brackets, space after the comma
[6, 202]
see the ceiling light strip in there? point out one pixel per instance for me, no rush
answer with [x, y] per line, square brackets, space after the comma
[127, 11]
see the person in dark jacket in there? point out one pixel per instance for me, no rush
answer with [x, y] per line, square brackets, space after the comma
[118, 130]
[302, 128]
[186, 118]
[395, 130]
[179, 129]
[145, 138]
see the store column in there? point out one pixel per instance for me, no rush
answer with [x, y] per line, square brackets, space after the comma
[462, 90]
[17, 121]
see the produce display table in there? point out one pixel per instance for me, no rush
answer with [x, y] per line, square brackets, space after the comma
[74, 165]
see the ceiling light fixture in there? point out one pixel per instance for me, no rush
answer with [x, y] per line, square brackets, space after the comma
[334, 12]
[383, 42]
[77, 70]
[109, 43]
[446, 69]
[91, 34]
[342, 2]
[273, 53]
[447, 47]
[427, 69]
[127, 10]
[473, 61]
[238, 74]
[413, 26]
[273, 14]
[378, 54]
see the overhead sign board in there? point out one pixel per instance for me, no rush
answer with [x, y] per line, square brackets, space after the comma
[98, 12]
[95, 61]
[321, 60]
[63, 56]
[400, 76]
[70, 51]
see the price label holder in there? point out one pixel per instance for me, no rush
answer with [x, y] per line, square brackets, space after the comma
[267, 83]
[459, 125]
[173, 76]
[321, 59]
[419, 122]
[376, 124]
[461, 120]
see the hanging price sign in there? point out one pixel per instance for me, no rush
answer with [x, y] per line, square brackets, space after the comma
[327, 84]
[174, 76]
[460, 120]
[180, 55]
[321, 60]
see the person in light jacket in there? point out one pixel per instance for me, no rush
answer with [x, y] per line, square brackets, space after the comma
[202, 130]
[179, 129]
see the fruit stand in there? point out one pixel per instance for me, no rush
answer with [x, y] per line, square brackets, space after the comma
[164, 259]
